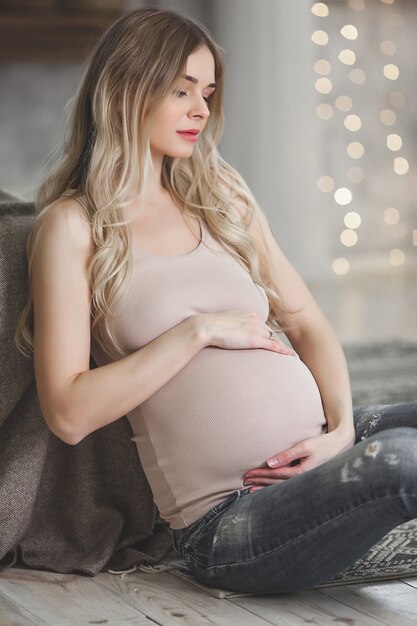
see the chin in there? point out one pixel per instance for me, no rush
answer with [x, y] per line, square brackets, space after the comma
[180, 154]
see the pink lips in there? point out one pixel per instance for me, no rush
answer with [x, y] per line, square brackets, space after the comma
[188, 136]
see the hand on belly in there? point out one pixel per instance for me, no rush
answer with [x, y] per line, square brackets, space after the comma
[298, 459]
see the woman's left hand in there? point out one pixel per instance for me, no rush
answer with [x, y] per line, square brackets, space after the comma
[300, 458]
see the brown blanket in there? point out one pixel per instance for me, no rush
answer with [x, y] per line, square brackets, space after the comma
[65, 508]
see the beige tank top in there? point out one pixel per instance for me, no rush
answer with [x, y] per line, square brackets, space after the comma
[226, 411]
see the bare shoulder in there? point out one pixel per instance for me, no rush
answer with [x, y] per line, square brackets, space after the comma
[65, 222]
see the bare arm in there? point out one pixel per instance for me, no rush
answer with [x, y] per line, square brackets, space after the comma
[75, 400]
[102, 395]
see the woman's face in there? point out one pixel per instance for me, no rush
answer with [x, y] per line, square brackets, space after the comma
[185, 108]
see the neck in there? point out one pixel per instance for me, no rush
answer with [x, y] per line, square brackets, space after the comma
[153, 192]
[153, 187]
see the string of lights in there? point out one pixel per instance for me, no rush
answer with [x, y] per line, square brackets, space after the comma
[349, 104]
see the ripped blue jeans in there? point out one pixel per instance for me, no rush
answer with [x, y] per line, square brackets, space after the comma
[302, 532]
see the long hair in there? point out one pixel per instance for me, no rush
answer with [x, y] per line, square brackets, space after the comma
[107, 146]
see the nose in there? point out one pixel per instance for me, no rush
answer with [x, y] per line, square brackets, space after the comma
[199, 108]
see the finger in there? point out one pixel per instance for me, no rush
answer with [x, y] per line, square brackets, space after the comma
[265, 481]
[262, 473]
[280, 472]
[271, 344]
[283, 349]
[286, 456]
[276, 343]
[281, 344]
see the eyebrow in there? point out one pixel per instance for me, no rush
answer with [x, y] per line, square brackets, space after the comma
[195, 81]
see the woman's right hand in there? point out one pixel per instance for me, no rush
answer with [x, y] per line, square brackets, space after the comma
[238, 330]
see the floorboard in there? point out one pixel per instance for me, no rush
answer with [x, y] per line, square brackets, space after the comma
[169, 600]
[36, 597]
[61, 599]
[392, 602]
[306, 607]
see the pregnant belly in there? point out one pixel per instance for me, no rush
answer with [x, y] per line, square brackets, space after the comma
[227, 411]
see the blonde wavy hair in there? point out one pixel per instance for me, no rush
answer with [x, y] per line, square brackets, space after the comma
[129, 73]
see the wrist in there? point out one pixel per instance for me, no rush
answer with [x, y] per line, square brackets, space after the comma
[344, 433]
[198, 329]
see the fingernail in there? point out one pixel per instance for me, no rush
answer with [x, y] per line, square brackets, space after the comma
[272, 462]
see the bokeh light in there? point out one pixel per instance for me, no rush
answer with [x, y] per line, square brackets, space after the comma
[320, 37]
[324, 111]
[352, 122]
[391, 71]
[401, 166]
[343, 196]
[323, 85]
[388, 47]
[348, 237]
[352, 219]
[391, 216]
[340, 266]
[355, 150]
[325, 183]
[388, 117]
[348, 57]
[322, 67]
[356, 5]
[394, 142]
[357, 76]
[349, 32]
[343, 103]
[320, 9]
[396, 257]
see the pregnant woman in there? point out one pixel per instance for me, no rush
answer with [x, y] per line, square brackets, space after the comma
[150, 252]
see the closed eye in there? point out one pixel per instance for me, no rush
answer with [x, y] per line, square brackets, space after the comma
[180, 94]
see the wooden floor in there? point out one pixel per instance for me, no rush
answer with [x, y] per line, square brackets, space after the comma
[31, 597]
